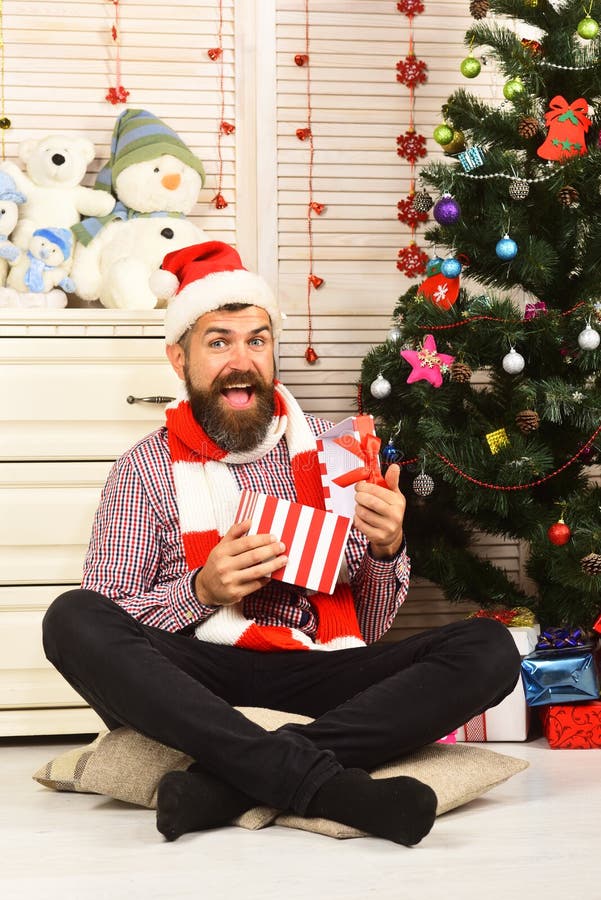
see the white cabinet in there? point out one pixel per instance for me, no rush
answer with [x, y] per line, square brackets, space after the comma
[65, 380]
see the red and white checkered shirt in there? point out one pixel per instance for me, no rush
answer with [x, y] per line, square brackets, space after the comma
[136, 554]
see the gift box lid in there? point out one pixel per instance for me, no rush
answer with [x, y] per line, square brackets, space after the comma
[342, 451]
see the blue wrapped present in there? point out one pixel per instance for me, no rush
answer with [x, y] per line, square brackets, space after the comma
[560, 676]
[472, 158]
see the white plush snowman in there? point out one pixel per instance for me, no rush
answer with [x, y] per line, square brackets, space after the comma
[156, 181]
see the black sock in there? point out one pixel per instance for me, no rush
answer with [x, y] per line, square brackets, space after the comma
[400, 809]
[194, 801]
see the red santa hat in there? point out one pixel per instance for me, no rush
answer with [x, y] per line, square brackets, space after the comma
[204, 277]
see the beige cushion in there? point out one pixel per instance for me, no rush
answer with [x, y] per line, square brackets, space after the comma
[127, 766]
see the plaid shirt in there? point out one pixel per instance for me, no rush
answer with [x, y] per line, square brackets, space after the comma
[136, 554]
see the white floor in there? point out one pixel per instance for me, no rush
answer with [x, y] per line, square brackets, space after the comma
[536, 836]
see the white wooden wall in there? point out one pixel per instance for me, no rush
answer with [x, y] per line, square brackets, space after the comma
[60, 61]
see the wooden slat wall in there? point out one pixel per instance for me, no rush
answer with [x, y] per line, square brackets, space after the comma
[60, 61]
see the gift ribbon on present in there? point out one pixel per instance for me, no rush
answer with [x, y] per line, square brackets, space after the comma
[576, 112]
[518, 617]
[561, 638]
[367, 450]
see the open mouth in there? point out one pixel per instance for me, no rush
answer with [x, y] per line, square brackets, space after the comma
[238, 396]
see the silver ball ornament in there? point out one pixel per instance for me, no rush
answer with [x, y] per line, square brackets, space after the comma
[394, 333]
[589, 339]
[513, 362]
[380, 388]
[519, 189]
[423, 485]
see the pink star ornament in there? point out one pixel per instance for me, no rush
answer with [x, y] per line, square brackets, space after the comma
[426, 364]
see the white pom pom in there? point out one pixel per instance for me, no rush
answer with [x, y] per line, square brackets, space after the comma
[163, 284]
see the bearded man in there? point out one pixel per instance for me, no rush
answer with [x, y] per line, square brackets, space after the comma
[178, 619]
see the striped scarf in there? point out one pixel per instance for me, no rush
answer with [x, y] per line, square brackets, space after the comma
[207, 498]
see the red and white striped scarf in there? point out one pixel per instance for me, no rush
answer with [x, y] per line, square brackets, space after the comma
[207, 499]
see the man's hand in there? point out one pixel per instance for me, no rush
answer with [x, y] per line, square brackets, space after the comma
[379, 513]
[238, 565]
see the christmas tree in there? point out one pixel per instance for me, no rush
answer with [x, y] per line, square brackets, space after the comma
[488, 388]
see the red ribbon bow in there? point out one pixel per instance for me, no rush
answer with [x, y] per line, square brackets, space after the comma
[576, 110]
[367, 450]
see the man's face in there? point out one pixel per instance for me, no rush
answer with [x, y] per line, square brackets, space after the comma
[228, 368]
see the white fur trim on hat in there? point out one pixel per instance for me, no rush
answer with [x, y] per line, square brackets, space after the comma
[214, 291]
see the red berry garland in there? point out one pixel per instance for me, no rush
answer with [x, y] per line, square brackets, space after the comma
[411, 71]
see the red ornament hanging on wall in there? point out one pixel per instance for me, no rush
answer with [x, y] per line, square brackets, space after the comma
[412, 261]
[408, 213]
[411, 145]
[568, 124]
[411, 71]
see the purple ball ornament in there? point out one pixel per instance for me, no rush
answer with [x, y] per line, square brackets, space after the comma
[451, 267]
[446, 211]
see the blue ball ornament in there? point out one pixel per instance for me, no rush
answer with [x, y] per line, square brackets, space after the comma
[506, 248]
[390, 453]
[432, 264]
[446, 211]
[451, 267]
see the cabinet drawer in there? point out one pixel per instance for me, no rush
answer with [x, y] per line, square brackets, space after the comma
[27, 679]
[66, 398]
[46, 513]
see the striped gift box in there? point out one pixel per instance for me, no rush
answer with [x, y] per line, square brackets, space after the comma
[314, 539]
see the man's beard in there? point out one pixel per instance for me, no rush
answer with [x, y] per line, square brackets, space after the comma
[234, 430]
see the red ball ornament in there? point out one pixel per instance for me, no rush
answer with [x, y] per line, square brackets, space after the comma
[559, 533]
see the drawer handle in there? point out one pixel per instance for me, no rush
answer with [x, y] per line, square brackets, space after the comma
[156, 399]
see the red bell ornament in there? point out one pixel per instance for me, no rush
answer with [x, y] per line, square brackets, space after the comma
[559, 533]
[568, 124]
[311, 356]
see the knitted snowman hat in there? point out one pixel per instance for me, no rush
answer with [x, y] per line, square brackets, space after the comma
[138, 136]
[203, 278]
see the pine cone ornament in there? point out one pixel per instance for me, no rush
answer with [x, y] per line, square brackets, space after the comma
[423, 202]
[591, 564]
[461, 372]
[479, 8]
[568, 196]
[528, 127]
[518, 189]
[528, 420]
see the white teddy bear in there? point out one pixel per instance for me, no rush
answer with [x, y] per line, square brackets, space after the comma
[36, 275]
[55, 166]
[10, 198]
[156, 180]
[117, 265]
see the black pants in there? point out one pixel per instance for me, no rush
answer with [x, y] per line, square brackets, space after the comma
[370, 704]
